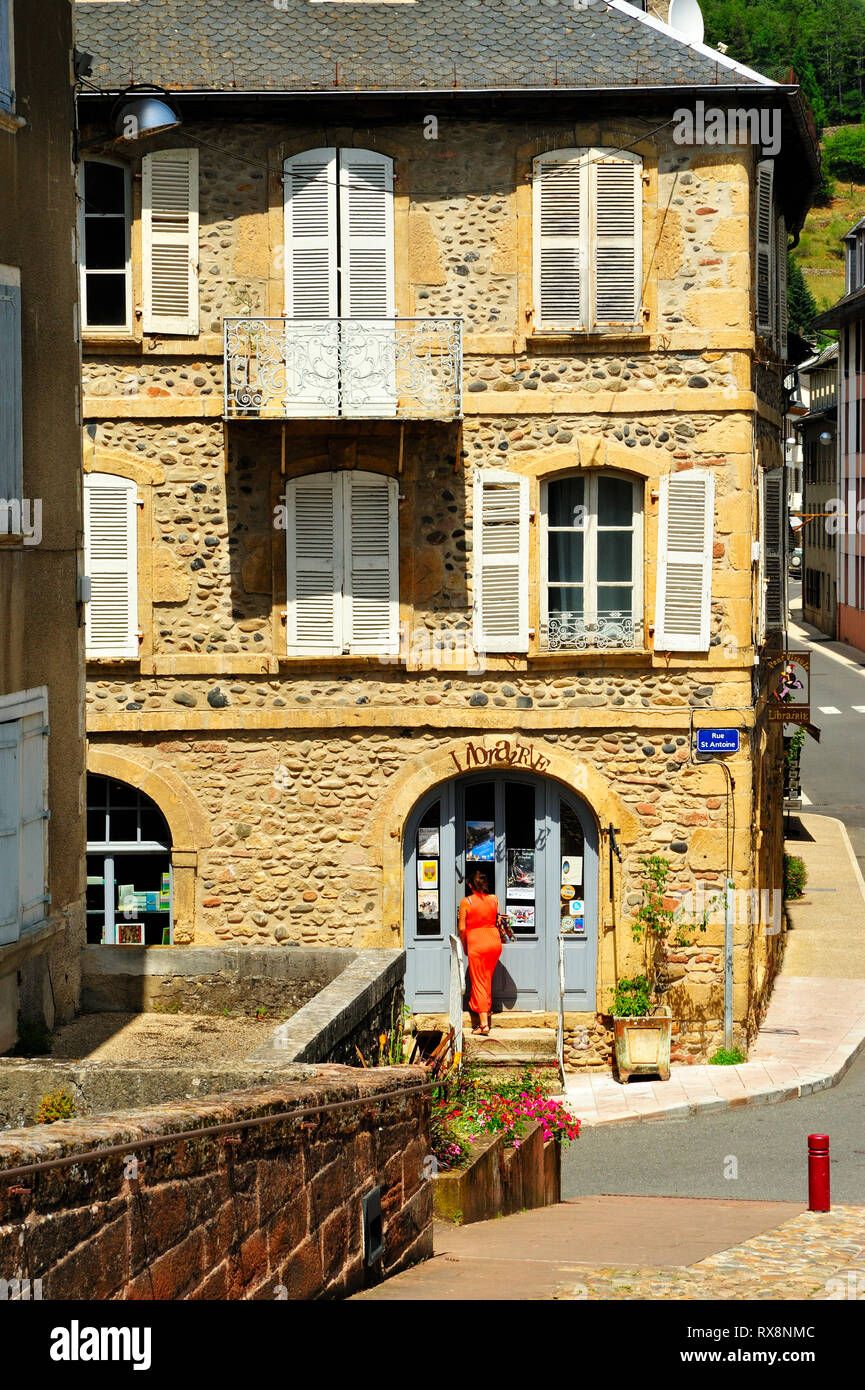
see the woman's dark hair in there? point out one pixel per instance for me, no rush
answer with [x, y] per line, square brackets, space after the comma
[482, 876]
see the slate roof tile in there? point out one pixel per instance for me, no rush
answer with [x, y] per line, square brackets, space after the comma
[293, 45]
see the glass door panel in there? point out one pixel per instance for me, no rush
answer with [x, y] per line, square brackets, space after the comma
[521, 850]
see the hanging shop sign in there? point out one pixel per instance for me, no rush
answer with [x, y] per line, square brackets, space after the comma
[788, 690]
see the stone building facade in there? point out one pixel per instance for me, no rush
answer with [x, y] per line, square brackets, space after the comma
[41, 639]
[486, 681]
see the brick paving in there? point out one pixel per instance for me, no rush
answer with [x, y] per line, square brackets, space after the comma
[815, 1256]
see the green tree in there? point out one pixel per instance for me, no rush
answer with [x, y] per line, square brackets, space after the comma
[801, 308]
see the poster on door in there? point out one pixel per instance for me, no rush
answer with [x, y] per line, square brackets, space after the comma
[521, 874]
[428, 842]
[427, 873]
[480, 840]
[572, 869]
[521, 918]
[428, 906]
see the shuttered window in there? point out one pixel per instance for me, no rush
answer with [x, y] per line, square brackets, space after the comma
[104, 233]
[169, 234]
[765, 269]
[781, 343]
[684, 571]
[501, 570]
[591, 562]
[773, 605]
[110, 558]
[11, 397]
[24, 897]
[342, 564]
[587, 240]
[339, 283]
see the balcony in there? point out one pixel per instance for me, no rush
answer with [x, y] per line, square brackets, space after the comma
[330, 369]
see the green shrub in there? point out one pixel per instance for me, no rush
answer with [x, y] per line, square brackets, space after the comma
[826, 189]
[726, 1057]
[632, 998]
[56, 1105]
[795, 876]
[844, 153]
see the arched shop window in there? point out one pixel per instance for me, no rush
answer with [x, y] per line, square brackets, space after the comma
[128, 866]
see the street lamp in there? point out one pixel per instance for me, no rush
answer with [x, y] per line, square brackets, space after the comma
[141, 112]
[826, 436]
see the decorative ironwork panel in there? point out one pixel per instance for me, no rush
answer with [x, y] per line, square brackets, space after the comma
[326, 368]
[571, 632]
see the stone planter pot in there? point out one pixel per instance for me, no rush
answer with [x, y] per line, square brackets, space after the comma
[643, 1045]
[499, 1180]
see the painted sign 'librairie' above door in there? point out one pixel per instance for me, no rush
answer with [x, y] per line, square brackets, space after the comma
[504, 752]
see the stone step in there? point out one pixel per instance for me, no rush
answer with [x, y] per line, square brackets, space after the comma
[511, 1046]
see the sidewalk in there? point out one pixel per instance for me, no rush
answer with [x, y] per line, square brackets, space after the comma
[814, 1026]
[643, 1247]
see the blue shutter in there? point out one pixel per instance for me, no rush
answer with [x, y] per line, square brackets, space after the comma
[9, 921]
[11, 441]
[5, 56]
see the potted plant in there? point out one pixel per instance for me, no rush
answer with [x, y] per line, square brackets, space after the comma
[642, 1023]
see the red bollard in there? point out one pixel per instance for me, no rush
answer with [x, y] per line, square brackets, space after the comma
[818, 1172]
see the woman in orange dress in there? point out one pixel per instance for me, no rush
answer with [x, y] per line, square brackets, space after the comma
[482, 943]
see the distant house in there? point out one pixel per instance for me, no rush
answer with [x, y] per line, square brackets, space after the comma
[818, 378]
[848, 316]
[433, 413]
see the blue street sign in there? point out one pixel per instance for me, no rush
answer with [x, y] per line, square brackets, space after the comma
[717, 740]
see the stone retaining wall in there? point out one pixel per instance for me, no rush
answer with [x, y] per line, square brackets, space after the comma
[276, 1214]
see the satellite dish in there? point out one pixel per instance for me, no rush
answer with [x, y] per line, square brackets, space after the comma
[687, 17]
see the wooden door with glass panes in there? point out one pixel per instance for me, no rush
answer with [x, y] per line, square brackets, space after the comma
[537, 845]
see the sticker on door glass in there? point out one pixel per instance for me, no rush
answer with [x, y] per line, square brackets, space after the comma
[428, 841]
[575, 907]
[427, 873]
[572, 869]
[568, 891]
[428, 906]
[521, 873]
[480, 839]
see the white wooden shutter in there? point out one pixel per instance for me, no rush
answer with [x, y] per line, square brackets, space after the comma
[11, 439]
[765, 248]
[772, 573]
[501, 571]
[9, 830]
[372, 563]
[560, 246]
[314, 557]
[33, 812]
[616, 188]
[782, 288]
[366, 287]
[311, 284]
[169, 241]
[111, 561]
[684, 577]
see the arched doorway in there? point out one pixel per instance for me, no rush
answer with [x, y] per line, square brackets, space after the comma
[129, 881]
[539, 842]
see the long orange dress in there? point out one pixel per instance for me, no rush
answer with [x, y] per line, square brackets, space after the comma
[483, 946]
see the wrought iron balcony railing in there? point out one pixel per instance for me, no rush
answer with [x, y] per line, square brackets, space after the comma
[572, 632]
[322, 369]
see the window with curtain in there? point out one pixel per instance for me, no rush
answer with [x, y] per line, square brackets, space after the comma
[591, 562]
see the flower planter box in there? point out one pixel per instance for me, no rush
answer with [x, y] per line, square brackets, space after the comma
[500, 1180]
[643, 1045]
